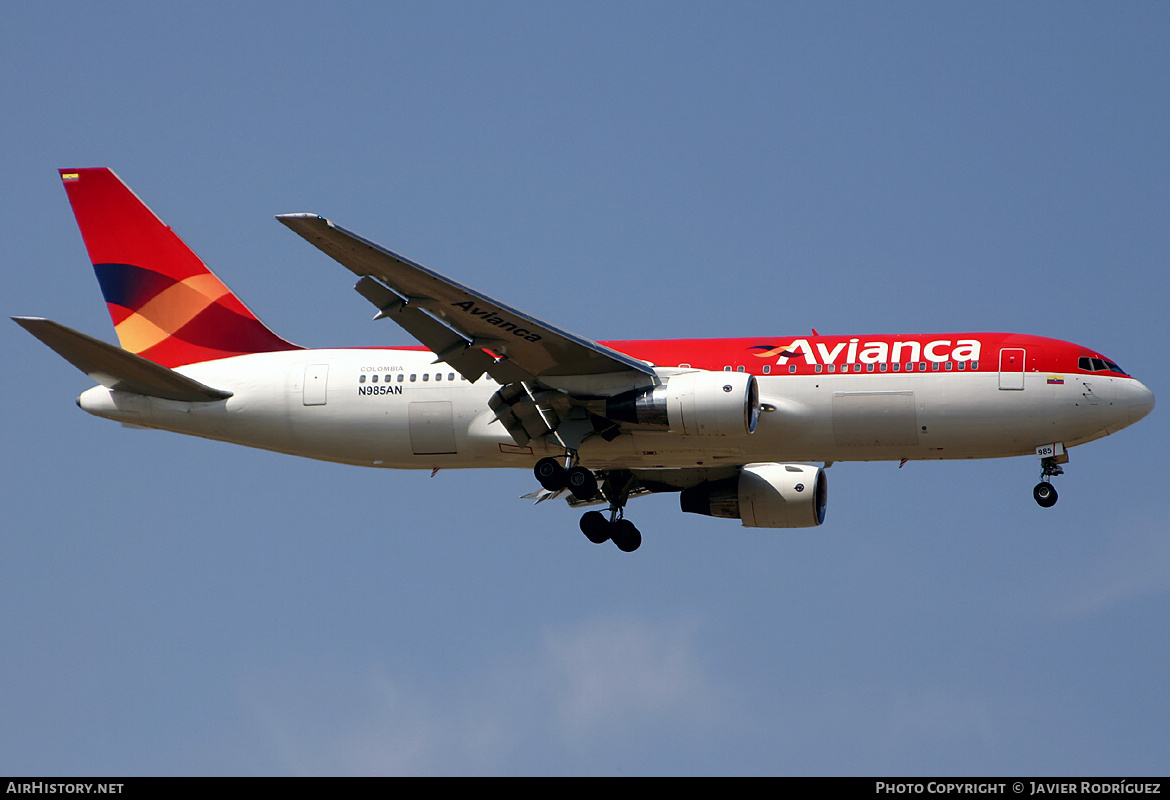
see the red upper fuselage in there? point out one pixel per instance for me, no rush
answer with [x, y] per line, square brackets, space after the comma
[813, 354]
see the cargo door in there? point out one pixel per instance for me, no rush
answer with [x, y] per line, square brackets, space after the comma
[432, 428]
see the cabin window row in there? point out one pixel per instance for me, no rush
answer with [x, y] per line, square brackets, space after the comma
[909, 366]
[401, 377]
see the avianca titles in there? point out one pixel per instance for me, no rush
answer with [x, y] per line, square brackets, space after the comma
[736, 427]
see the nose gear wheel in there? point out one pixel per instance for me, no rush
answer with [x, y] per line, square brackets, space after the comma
[1044, 492]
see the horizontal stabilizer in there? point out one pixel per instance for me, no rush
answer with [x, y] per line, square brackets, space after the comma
[116, 368]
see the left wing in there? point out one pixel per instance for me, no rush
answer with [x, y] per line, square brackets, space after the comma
[458, 324]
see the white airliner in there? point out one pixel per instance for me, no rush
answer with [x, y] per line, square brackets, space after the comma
[728, 423]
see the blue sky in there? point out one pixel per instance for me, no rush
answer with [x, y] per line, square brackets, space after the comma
[650, 170]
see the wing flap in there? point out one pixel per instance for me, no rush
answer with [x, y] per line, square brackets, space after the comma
[528, 348]
[521, 413]
[447, 344]
[116, 368]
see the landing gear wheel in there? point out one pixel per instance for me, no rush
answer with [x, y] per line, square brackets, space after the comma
[595, 527]
[581, 483]
[626, 536]
[551, 475]
[1045, 494]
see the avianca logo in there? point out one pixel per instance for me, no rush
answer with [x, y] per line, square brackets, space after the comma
[491, 318]
[769, 351]
[855, 351]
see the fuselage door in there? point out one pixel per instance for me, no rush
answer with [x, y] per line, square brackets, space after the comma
[1011, 368]
[432, 428]
[316, 381]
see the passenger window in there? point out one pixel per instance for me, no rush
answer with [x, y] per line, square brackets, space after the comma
[400, 377]
[791, 368]
[450, 376]
[767, 369]
[739, 369]
[412, 377]
[362, 379]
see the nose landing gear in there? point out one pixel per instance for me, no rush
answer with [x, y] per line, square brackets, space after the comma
[1044, 492]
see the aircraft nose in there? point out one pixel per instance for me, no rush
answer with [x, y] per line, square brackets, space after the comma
[1141, 400]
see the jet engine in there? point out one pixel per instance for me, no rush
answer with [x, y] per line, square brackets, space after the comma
[699, 403]
[764, 496]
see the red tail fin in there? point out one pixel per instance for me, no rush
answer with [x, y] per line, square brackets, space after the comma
[166, 304]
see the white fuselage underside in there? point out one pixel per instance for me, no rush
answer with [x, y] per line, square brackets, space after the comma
[324, 404]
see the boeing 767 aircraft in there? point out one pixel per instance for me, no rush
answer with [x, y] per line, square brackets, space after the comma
[727, 423]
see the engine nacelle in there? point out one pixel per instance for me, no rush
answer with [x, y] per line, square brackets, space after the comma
[764, 496]
[699, 403]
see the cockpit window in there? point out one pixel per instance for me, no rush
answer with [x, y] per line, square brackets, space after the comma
[1095, 364]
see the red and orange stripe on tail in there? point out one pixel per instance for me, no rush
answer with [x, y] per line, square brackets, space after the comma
[166, 304]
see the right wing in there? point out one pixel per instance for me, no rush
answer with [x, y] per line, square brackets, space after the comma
[458, 324]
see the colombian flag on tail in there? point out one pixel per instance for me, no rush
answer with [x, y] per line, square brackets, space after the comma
[167, 306]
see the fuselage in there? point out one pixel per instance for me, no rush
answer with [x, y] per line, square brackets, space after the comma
[824, 398]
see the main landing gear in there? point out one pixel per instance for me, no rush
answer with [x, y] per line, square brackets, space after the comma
[598, 529]
[583, 485]
[1045, 492]
[576, 479]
